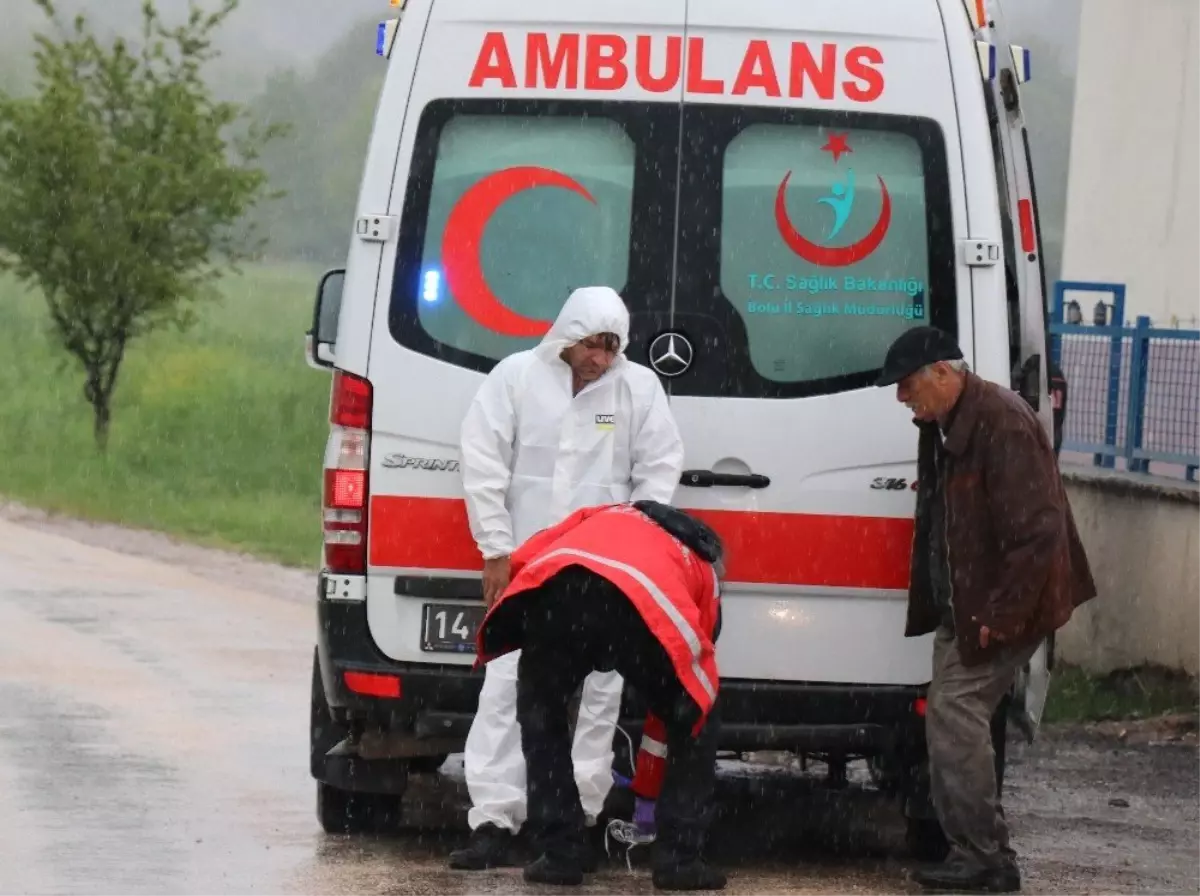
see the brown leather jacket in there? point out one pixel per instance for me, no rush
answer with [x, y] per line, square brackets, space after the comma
[1016, 563]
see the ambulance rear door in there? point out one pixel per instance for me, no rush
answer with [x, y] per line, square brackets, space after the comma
[821, 200]
[1025, 286]
[538, 154]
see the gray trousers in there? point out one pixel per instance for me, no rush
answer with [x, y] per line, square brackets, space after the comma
[962, 700]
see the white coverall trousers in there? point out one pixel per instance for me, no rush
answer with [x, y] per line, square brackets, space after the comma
[495, 765]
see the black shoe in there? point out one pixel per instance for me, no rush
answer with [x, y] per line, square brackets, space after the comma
[964, 876]
[693, 875]
[557, 872]
[489, 847]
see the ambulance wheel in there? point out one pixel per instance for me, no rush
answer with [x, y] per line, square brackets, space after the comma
[925, 841]
[887, 772]
[324, 732]
[343, 812]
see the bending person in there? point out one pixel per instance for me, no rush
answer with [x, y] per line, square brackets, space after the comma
[630, 588]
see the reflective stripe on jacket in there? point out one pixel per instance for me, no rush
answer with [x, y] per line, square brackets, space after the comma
[674, 591]
[651, 766]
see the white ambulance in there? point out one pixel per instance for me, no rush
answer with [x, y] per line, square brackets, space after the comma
[777, 190]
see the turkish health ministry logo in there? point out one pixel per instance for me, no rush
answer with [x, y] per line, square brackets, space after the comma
[841, 202]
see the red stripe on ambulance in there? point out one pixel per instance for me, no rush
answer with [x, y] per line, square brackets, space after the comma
[422, 533]
[814, 549]
[763, 548]
[607, 62]
[1025, 212]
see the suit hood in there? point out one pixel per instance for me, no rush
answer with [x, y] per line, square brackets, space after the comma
[587, 312]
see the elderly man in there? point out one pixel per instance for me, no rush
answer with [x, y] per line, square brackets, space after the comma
[997, 566]
[569, 424]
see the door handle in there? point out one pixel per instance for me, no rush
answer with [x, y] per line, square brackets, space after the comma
[708, 478]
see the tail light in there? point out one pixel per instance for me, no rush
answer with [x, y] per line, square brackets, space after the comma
[346, 481]
[373, 685]
[350, 402]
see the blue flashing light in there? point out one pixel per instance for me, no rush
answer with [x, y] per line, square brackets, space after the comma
[1023, 60]
[431, 286]
[987, 59]
[385, 37]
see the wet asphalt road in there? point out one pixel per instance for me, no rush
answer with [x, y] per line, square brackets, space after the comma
[153, 740]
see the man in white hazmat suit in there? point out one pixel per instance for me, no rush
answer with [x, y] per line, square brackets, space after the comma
[569, 424]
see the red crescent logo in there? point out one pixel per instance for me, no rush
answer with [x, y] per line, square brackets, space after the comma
[827, 256]
[464, 235]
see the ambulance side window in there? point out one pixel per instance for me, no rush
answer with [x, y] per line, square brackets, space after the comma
[809, 241]
[821, 316]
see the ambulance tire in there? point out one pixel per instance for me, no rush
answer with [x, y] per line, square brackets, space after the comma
[342, 811]
[925, 841]
[324, 732]
[887, 772]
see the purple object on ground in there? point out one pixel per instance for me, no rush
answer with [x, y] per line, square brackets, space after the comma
[643, 814]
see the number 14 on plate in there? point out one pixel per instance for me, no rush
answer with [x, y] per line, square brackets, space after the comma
[450, 628]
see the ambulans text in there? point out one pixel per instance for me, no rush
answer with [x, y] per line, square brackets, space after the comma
[658, 63]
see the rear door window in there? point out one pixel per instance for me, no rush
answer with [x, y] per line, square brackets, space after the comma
[512, 205]
[809, 242]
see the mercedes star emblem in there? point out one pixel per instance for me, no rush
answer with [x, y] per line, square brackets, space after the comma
[670, 354]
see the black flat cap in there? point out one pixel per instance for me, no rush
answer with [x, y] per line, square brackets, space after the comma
[915, 348]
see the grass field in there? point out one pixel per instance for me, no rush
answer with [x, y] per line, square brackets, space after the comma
[1143, 693]
[217, 433]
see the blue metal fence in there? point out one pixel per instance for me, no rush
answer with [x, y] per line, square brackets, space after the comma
[1133, 393]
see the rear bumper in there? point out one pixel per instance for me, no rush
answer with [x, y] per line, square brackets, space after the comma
[344, 644]
[438, 701]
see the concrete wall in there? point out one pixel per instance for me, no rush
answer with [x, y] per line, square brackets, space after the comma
[1142, 538]
[1133, 198]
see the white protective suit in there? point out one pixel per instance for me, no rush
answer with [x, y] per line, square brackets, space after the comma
[532, 454]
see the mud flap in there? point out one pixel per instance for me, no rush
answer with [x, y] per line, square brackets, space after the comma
[1030, 691]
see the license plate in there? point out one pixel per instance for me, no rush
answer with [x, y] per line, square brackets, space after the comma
[450, 628]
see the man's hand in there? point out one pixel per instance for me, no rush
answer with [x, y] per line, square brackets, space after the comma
[986, 636]
[495, 579]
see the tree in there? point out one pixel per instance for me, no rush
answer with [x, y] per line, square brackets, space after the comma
[124, 185]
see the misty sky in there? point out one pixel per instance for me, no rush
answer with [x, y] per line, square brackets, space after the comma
[285, 32]
[1054, 21]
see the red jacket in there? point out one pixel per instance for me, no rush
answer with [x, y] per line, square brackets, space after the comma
[675, 591]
